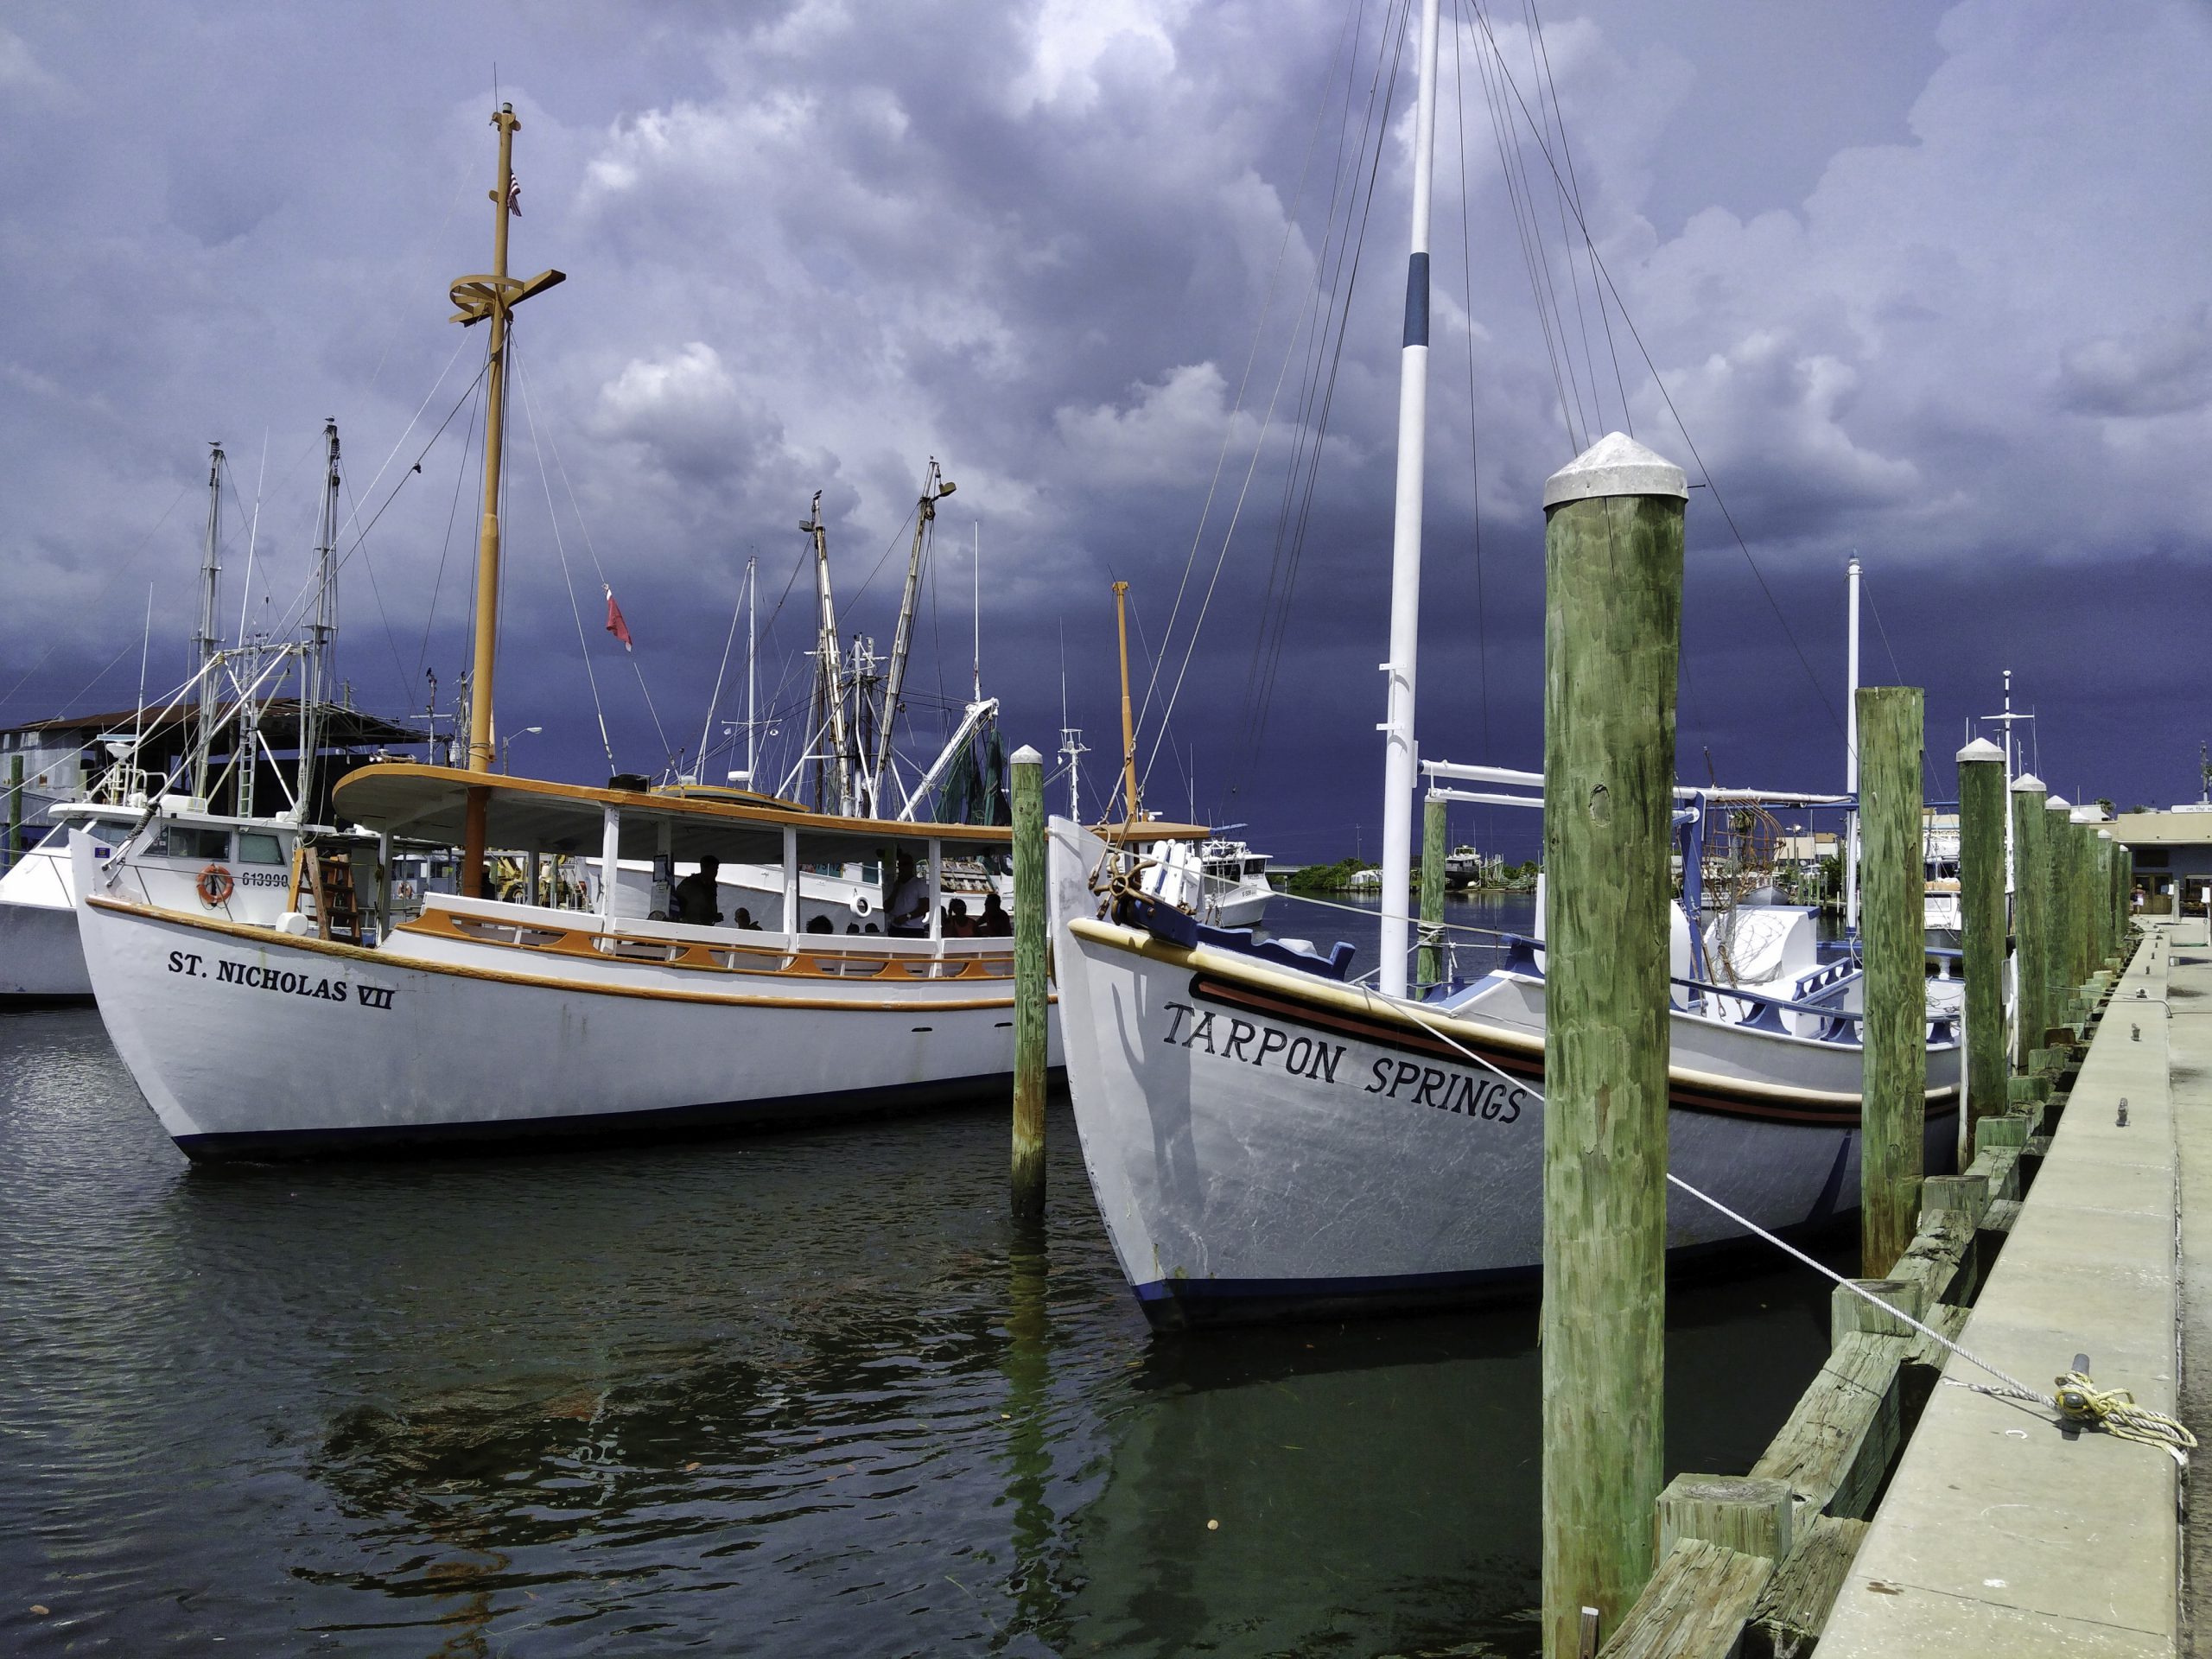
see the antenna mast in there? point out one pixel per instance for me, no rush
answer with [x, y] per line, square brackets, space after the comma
[314, 681]
[935, 487]
[205, 644]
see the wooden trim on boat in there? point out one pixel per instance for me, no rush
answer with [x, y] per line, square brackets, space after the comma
[1372, 1018]
[368, 955]
[593, 943]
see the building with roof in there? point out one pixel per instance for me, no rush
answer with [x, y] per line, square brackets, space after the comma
[2173, 857]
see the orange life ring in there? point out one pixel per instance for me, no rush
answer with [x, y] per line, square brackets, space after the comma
[215, 885]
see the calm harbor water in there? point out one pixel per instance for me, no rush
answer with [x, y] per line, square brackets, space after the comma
[801, 1394]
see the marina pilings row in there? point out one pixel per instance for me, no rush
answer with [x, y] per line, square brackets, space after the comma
[1029, 986]
[1754, 1562]
[1892, 931]
[1612, 640]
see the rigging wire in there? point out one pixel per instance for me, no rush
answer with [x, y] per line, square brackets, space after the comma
[568, 581]
[452, 515]
[584, 528]
[1474, 446]
[1290, 556]
[1567, 152]
[1819, 689]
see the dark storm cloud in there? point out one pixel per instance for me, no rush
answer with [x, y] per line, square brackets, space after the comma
[1935, 306]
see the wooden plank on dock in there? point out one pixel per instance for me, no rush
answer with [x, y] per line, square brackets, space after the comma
[1696, 1604]
[1839, 1441]
[1793, 1609]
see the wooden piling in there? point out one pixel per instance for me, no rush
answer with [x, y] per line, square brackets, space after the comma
[2058, 886]
[1430, 967]
[1029, 990]
[1981, 927]
[2030, 919]
[1893, 927]
[1612, 645]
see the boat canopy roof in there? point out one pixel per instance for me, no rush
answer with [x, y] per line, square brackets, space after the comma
[535, 815]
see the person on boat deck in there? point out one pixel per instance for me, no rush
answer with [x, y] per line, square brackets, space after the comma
[957, 922]
[744, 919]
[820, 925]
[910, 902]
[995, 924]
[693, 898]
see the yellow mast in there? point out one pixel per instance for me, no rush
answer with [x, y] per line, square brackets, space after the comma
[1129, 731]
[477, 297]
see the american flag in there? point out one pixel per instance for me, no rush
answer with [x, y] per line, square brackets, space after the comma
[514, 193]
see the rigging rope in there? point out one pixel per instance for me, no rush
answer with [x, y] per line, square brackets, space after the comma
[568, 581]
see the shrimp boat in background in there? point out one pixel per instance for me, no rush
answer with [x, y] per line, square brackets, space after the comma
[240, 864]
[482, 1018]
[1267, 1135]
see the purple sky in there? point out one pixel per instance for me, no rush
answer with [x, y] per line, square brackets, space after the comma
[1927, 284]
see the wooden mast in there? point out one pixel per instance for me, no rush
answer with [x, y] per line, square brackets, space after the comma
[1129, 731]
[479, 297]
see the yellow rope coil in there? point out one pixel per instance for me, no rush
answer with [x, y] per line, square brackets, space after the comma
[2083, 1403]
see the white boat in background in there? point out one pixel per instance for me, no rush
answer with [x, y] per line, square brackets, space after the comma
[1236, 890]
[40, 958]
[1266, 1136]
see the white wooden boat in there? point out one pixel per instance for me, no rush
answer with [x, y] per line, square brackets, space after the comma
[482, 1019]
[1265, 1138]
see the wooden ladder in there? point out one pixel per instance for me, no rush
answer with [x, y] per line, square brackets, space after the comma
[336, 912]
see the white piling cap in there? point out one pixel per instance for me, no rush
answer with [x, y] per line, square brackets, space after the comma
[1981, 749]
[1616, 465]
[2059, 804]
[2104, 835]
[2027, 782]
[1026, 756]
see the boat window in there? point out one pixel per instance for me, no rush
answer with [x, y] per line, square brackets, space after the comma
[191, 841]
[258, 847]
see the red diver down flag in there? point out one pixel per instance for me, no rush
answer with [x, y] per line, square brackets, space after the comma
[616, 625]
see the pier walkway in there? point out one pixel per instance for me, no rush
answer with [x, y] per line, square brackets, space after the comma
[1998, 1532]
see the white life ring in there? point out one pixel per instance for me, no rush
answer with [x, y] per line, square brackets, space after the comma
[861, 905]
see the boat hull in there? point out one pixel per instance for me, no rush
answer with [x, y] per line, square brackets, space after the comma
[1262, 1145]
[40, 960]
[253, 1044]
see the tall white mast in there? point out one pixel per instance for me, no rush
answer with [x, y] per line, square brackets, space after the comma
[1400, 755]
[829, 691]
[206, 644]
[752, 641]
[975, 577]
[1851, 758]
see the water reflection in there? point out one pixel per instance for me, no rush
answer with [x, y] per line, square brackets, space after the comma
[809, 1393]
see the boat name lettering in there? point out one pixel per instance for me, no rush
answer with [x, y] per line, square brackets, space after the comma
[1448, 1092]
[285, 982]
[1254, 1043]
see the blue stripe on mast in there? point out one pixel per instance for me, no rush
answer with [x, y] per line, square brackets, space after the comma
[1417, 300]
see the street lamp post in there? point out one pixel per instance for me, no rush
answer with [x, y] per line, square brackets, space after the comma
[505, 742]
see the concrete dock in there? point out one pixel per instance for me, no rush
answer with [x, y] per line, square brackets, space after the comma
[2000, 1532]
